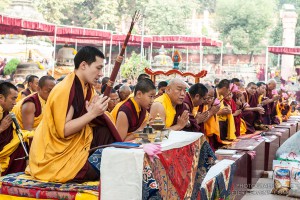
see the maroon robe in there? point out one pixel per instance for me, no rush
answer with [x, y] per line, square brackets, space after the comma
[250, 117]
[237, 119]
[14, 165]
[34, 99]
[103, 133]
[134, 120]
[26, 92]
[194, 126]
[269, 117]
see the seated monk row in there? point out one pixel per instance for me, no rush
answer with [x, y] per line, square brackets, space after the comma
[29, 111]
[75, 118]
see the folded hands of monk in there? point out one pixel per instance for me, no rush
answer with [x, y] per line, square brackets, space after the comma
[98, 105]
[183, 119]
[5, 123]
[202, 117]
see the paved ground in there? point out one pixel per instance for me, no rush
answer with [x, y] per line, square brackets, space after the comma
[262, 191]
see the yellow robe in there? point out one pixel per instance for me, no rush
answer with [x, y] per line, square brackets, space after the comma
[114, 112]
[168, 107]
[230, 121]
[18, 112]
[19, 98]
[52, 156]
[8, 149]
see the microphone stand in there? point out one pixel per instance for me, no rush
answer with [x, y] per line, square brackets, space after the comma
[20, 136]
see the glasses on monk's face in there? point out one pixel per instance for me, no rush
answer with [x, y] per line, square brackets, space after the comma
[115, 100]
[208, 98]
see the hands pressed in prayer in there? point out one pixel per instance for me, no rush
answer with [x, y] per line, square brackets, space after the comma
[98, 105]
[215, 109]
[183, 119]
[226, 111]
[202, 117]
[5, 123]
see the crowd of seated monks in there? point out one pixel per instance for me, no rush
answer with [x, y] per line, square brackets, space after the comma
[64, 120]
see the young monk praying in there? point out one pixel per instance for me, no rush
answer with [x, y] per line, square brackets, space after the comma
[74, 122]
[132, 115]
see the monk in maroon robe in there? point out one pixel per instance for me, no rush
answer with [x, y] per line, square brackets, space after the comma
[269, 117]
[10, 147]
[251, 113]
[195, 97]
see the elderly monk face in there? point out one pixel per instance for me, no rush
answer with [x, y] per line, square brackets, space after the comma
[271, 85]
[252, 89]
[261, 89]
[176, 92]
[34, 85]
[210, 97]
[46, 89]
[114, 100]
[9, 102]
[93, 72]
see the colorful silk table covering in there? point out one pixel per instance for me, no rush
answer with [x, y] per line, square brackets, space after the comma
[22, 185]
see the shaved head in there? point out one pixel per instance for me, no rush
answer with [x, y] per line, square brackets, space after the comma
[272, 81]
[209, 87]
[176, 90]
[124, 88]
[272, 84]
[176, 81]
[124, 92]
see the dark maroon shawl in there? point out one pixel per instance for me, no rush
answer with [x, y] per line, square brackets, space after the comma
[134, 120]
[7, 135]
[14, 165]
[77, 100]
[250, 117]
[26, 92]
[194, 126]
[34, 99]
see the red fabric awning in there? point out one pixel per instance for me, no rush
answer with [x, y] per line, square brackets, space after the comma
[10, 25]
[69, 34]
[285, 50]
[178, 41]
[82, 33]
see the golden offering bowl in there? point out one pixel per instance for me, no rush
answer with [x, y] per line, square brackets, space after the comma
[158, 126]
[152, 136]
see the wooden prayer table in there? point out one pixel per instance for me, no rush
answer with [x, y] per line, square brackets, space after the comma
[296, 121]
[292, 125]
[285, 134]
[240, 177]
[271, 147]
[255, 167]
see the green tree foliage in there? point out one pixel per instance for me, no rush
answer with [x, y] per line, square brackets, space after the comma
[161, 17]
[168, 16]
[134, 66]
[244, 23]
[11, 66]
